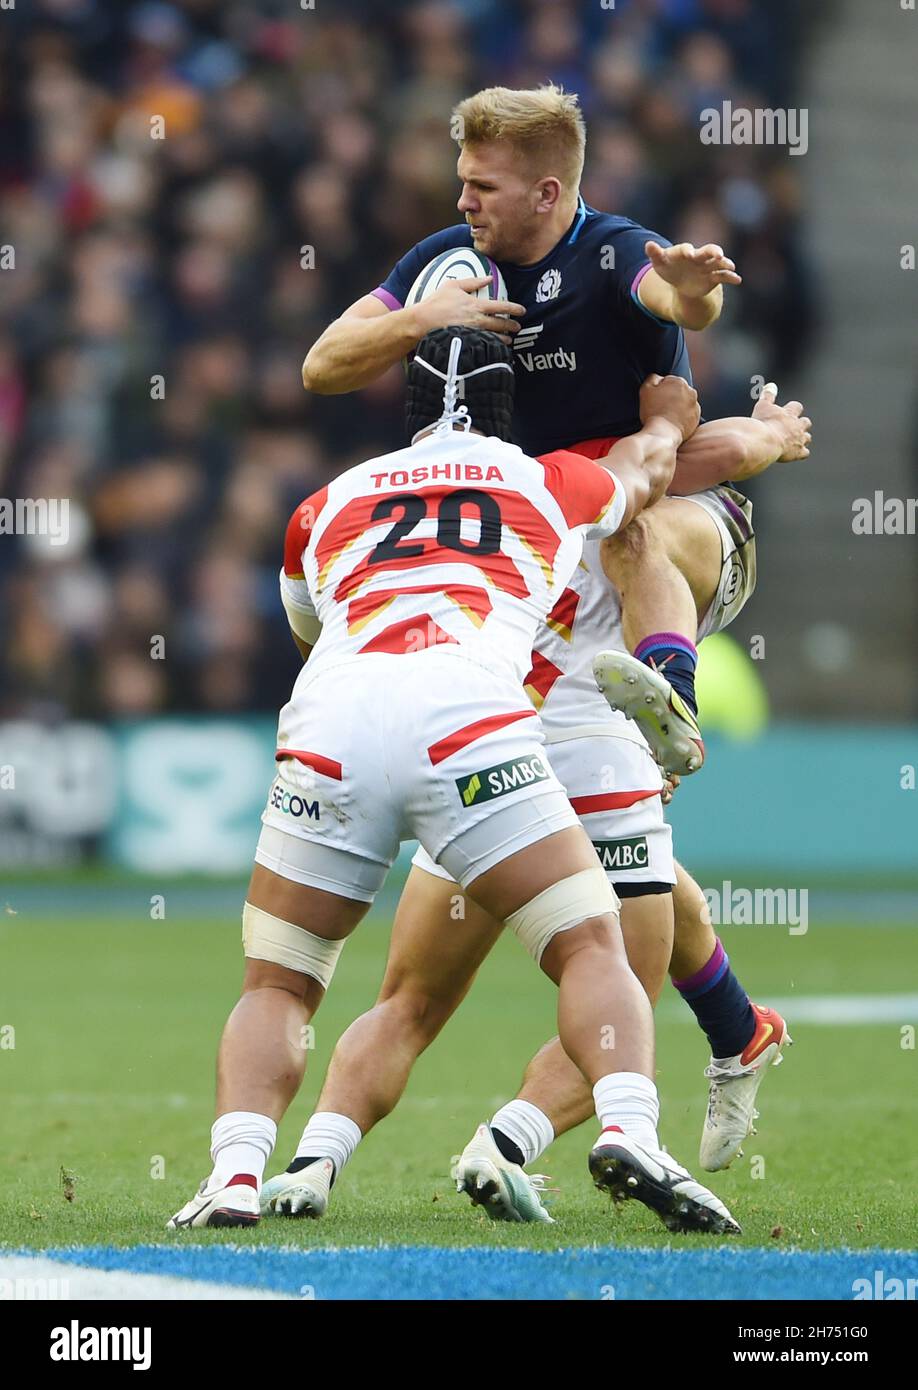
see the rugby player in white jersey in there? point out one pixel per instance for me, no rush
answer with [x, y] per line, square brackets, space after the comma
[520, 168]
[414, 584]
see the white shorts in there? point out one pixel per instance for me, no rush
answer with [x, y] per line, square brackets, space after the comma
[614, 786]
[731, 513]
[430, 746]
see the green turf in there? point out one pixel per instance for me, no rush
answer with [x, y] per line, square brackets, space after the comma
[116, 1024]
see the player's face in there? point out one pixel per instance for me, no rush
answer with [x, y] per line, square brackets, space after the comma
[498, 201]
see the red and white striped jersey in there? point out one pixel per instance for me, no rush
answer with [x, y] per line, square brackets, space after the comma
[586, 619]
[460, 541]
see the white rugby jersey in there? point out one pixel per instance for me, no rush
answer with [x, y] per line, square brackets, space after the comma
[585, 619]
[460, 541]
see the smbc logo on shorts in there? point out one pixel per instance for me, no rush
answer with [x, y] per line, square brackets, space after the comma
[622, 854]
[497, 781]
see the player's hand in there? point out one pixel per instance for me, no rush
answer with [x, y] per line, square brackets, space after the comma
[693, 271]
[793, 429]
[456, 304]
[672, 398]
[671, 781]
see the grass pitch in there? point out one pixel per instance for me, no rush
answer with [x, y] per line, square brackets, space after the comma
[107, 1092]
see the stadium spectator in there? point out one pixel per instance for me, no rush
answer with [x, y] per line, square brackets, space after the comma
[194, 190]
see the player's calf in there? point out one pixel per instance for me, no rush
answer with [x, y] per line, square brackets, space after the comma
[665, 566]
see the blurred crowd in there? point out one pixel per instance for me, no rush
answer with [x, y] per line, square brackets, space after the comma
[192, 190]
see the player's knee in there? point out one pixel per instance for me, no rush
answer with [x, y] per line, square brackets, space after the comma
[262, 974]
[416, 1013]
[576, 908]
[595, 939]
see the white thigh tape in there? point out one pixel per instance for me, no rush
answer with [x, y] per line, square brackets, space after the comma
[268, 938]
[564, 905]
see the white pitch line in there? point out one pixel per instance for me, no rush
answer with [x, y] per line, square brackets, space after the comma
[850, 1009]
[833, 1010]
[35, 1277]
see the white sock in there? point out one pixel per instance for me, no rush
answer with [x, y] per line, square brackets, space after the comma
[630, 1101]
[528, 1127]
[241, 1142]
[328, 1135]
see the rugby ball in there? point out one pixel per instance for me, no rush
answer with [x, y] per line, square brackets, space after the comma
[460, 263]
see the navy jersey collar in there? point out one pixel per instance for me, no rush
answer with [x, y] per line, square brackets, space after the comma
[570, 236]
[579, 220]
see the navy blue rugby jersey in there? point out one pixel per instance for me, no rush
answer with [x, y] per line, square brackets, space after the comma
[586, 343]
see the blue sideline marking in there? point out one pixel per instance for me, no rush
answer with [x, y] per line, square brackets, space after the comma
[429, 1272]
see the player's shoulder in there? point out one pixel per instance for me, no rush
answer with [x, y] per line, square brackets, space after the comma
[316, 513]
[570, 465]
[300, 529]
[612, 226]
[304, 513]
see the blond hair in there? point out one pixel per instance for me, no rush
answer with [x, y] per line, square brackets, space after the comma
[544, 123]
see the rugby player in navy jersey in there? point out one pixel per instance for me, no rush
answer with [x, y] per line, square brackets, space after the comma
[597, 303]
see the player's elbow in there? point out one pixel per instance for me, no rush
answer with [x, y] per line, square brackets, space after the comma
[315, 375]
[732, 458]
[724, 455]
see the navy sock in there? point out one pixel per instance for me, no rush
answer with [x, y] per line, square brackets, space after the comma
[720, 1004]
[676, 657]
[511, 1152]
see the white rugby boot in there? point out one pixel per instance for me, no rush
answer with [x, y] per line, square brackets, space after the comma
[504, 1189]
[627, 1170]
[646, 696]
[299, 1194]
[236, 1204]
[735, 1083]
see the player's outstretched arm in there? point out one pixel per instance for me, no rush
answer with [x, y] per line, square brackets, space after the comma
[369, 338]
[358, 347]
[644, 462]
[686, 283]
[738, 447]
